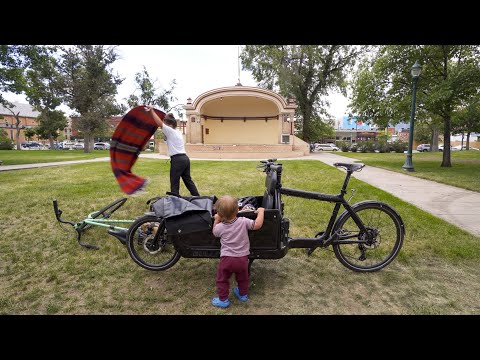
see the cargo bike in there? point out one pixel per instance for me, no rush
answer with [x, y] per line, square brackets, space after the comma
[365, 236]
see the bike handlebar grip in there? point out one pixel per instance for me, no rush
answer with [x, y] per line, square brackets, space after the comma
[55, 206]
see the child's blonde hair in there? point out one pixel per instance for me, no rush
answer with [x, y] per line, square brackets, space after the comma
[227, 207]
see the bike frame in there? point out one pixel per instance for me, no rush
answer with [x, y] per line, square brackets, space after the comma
[118, 231]
[328, 236]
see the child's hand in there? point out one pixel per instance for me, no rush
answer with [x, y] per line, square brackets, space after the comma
[260, 209]
[216, 217]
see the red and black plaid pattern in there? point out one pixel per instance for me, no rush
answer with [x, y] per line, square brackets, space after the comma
[128, 140]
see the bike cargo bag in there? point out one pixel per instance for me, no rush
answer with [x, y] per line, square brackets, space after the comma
[183, 216]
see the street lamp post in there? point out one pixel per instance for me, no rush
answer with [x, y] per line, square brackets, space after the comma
[416, 70]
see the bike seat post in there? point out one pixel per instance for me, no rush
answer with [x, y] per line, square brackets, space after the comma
[345, 182]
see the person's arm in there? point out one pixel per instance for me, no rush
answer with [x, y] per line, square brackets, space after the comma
[149, 110]
[259, 220]
[217, 221]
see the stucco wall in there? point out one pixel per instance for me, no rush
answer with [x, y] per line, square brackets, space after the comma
[241, 132]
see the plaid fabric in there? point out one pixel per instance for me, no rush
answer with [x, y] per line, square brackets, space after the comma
[128, 140]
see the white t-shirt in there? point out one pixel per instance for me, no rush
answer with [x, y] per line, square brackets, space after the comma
[175, 143]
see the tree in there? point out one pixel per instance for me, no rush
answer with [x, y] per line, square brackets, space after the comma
[382, 87]
[90, 87]
[467, 119]
[14, 60]
[148, 93]
[29, 133]
[44, 90]
[5, 141]
[307, 72]
[11, 108]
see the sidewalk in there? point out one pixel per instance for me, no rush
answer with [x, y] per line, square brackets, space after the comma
[454, 205]
[457, 206]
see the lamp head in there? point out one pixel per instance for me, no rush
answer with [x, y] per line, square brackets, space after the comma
[416, 70]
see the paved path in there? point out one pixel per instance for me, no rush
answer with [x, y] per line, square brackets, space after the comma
[457, 206]
[58, 163]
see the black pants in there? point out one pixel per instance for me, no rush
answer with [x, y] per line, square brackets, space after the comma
[180, 167]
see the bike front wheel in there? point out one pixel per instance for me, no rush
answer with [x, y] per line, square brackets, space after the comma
[378, 246]
[148, 244]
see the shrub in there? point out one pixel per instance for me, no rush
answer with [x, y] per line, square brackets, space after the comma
[399, 146]
[344, 146]
[5, 142]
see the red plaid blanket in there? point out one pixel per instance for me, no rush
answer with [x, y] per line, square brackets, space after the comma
[128, 140]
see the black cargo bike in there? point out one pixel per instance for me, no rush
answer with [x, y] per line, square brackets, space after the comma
[365, 236]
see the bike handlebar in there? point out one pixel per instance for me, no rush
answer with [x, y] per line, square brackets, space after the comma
[266, 163]
[58, 213]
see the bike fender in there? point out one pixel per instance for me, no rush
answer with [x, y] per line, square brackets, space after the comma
[368, 202]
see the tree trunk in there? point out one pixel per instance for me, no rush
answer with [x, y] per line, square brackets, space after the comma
[446, 161]
[468, 140]
[434, 138]
[17, 132]
[86, 141]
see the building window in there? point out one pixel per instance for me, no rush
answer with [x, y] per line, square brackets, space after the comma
[285, 139]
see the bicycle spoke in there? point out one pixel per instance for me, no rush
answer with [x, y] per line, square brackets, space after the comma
[378, 246]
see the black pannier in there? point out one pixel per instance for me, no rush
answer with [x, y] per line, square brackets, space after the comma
[184, 216]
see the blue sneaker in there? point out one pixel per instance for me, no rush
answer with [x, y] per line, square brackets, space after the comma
[242, 298]
[223, 304]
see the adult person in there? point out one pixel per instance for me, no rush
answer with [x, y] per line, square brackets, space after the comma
[179, 161]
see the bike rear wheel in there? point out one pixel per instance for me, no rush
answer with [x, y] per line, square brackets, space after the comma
[384, 237]
[148, 244]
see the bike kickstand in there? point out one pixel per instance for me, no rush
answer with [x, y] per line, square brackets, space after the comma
[311, 250]
[88, 246]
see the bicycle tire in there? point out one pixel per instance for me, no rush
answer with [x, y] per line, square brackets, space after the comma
[148, 245]
[385, 233]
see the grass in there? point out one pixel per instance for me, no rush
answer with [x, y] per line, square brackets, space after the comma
[18, 157]
[464, 173]
[43, 270]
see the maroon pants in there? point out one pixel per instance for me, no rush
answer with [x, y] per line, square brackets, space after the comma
[232, 265]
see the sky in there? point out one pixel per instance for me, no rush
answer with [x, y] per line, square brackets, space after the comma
[196, 69]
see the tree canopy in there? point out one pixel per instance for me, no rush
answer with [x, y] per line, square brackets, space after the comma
[307, 72]
[90, 87]
[44, 91]
[450, 78]
[149, 94]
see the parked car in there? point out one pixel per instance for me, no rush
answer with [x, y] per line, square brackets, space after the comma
[423, 147]
[440, 148]
[78, 146]
[101, 146]
[464, 147]
[31, 145]
[326, 147]
[67, 145]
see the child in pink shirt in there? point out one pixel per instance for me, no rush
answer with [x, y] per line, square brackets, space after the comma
[235, 248]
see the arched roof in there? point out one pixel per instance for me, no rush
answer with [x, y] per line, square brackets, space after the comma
[240, 91]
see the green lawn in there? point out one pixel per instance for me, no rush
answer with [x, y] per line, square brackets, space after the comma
[464, 173]
[44, 271]
[16, 157]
